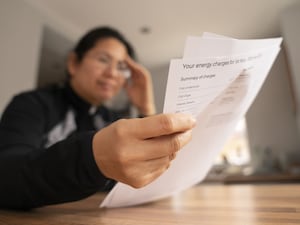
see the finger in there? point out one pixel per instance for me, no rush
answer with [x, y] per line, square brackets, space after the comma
[155, 174]
[131, 63]
[169, 145]
[159, 147]
[172, 156]
[162, 124]
[136, 68]
[154, 169]
[157, 163]
[144, 172]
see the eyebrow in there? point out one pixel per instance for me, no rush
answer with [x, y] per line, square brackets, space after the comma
[109, 56]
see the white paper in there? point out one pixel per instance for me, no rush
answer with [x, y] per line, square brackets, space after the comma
[197, 47]
[216, 81]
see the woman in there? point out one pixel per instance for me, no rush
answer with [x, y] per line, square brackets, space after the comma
[60, 143]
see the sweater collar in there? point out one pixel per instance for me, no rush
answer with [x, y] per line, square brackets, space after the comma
[84, 108]
[79, 103]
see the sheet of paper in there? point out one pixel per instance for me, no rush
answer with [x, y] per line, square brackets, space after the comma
[197, 47]
[217, 89]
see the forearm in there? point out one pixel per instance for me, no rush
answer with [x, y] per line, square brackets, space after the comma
[64, 172]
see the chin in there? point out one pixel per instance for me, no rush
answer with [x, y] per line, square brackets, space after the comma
[106, 97]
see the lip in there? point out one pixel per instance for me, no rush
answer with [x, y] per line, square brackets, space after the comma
[105, 85]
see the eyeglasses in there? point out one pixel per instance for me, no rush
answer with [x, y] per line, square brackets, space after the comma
[106, 61]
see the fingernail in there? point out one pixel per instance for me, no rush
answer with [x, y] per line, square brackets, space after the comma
[193, 120]
[189, 119]
[185, 135]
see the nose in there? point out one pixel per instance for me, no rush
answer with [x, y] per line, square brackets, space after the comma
[111, 71]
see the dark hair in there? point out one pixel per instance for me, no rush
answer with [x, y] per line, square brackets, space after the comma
[89, 40]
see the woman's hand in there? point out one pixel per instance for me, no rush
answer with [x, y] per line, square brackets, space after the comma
[139, 88]
[137, 151]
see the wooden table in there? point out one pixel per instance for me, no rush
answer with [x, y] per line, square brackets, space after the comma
[204, 204]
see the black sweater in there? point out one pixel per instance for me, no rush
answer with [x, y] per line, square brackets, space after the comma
[46, 148]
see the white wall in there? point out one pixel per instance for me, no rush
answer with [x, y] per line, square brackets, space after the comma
[19, 48]
[159, 77]
[291, 33]
[21, 27]
[271, 119]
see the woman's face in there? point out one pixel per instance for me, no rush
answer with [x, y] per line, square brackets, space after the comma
[99, 76]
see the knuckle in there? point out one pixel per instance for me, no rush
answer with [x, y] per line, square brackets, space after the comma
[120, 128]
[139, 183]
[175, 144]
[143, 180]
[166, 123]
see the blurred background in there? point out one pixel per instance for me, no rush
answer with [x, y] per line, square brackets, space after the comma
[36, 36]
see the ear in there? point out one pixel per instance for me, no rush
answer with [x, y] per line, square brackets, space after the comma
[72, 64]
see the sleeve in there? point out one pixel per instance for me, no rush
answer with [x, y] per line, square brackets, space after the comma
[32, 176]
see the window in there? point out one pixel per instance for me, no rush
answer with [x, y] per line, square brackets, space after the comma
[236, 150]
